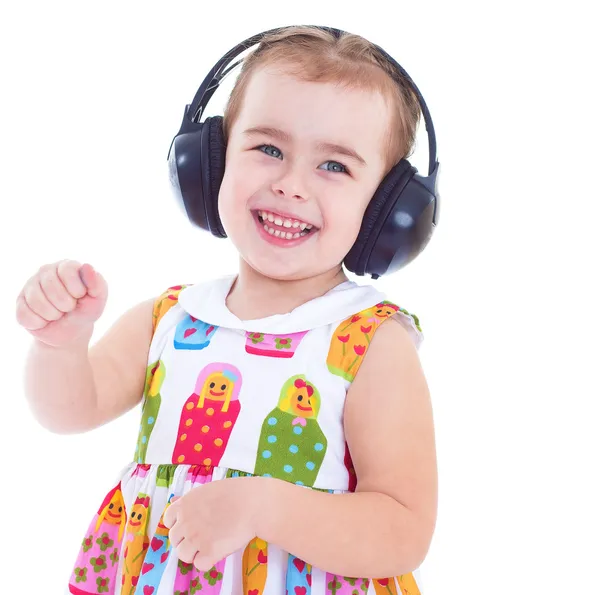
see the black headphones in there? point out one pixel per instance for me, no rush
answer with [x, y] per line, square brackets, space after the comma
[398, 222]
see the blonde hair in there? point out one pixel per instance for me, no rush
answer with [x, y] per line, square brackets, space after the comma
[315, 55]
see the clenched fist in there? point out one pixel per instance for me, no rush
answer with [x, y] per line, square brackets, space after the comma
[61, 302]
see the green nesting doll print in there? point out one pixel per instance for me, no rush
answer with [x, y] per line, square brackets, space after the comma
[155, 376]
[292, 446]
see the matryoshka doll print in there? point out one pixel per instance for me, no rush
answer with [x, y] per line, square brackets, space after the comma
[96, 566]
[292, 445]
[157, 557]
[136, 543]
[155, 376]
[352, 337]
[192, 333]
[208, 416]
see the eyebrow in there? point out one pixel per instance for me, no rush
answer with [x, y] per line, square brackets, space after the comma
[322, 146]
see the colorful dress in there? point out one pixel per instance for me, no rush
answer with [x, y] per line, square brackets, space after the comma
[226, 398]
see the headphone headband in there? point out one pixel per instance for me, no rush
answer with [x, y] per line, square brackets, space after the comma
[217, 73]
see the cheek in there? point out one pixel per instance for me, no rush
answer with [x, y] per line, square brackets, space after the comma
[344, 219]
[236, 189]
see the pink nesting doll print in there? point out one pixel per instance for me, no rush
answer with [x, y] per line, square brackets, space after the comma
[282, 346]
[96, 567]
[208, 416]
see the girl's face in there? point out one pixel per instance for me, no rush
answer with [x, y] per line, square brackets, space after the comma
[303, 160]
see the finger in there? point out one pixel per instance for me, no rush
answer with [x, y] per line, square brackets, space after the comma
[68, 273]
[38, 302]
[27, 318]
[170, 516]
[176, 534]
[94, 281]
[203, 563]
[186, 552]
[55, 291]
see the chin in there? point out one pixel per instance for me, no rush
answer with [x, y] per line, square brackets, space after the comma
[279, 271]
[288, 270]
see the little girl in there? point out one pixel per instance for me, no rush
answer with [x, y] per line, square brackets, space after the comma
[286, 443]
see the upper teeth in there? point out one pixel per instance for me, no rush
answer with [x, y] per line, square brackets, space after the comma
[282, 222]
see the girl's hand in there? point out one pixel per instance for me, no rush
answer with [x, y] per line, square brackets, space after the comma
[61, 302]
[214, 520]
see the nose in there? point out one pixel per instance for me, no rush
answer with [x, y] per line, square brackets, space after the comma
[290, 185]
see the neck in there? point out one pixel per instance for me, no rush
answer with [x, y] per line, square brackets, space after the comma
[255, 296]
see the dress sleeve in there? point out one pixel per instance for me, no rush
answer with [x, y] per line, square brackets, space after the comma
[164, 302]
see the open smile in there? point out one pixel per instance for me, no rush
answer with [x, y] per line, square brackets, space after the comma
[281, 230]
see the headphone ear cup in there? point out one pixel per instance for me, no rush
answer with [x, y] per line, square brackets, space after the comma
[185, 174]
[377, 210]
[212, 164]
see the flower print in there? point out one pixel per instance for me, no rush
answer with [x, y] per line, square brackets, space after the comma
[213, 576]
[366, 330]
[104, 541]
[344, 339]
[261, 557]
[195, 586]
[257, 337]
[283, 343]
[334, 585]
[185, 568]
[114, 557]
[99, 563]
[354, 319]
[81, 575]
[359, 349]
[87, 544]
[102, 585]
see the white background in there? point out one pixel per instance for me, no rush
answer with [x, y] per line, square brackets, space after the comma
[92, 94]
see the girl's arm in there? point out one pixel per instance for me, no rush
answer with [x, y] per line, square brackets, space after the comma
[77, 388]
[385, 528]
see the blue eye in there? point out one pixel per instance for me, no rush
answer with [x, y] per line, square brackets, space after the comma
[271, 151]
[336, 167]
[332, 166]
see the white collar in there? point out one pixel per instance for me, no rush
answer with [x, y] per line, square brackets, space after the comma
[206, 301]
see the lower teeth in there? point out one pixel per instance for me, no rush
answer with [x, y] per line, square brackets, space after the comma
[283, 234]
